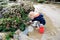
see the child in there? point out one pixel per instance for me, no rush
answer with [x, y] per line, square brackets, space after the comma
[37, 19]
[37, 22]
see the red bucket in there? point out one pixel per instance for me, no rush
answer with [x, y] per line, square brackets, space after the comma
[41, 30]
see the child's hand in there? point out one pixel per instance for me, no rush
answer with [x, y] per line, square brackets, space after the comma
[30, 22]
[36, 28]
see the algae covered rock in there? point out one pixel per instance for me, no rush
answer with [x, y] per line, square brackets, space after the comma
[15, 17]
[28, 6]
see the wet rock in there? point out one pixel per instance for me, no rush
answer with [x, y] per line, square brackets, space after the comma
[0, 15]
[28, 6]
[18, 31]
[2, 36]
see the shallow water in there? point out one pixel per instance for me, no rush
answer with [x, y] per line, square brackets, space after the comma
[52, 14]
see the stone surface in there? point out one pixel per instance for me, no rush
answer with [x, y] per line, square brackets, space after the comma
[2, 36]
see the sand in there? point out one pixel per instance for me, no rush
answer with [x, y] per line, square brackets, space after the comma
[51, 31]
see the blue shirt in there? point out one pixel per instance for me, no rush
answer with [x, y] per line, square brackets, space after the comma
[40, 18]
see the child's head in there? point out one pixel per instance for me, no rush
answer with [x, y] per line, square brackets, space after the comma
[32, 15]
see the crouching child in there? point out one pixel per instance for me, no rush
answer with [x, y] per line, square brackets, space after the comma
[37, 20]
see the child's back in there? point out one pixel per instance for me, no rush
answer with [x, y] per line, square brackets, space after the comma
[40, 18]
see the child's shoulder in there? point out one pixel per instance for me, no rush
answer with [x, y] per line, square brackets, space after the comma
[41, 15]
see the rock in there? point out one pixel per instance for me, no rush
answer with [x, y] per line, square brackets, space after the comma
[16, 35]
[30, 29]
[19, 1]
[0, 15]
[2, 36]
[28, 6]
[18, 31]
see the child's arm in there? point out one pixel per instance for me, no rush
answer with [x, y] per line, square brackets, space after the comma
[36, 24]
